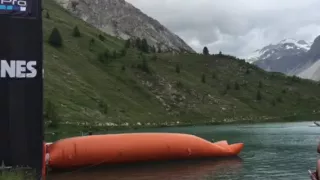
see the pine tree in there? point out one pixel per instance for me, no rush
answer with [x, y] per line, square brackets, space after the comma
[128, 43]
[260, 84]
[138, 43]
[123, 68]
[51, 114]
[205, 51]
[106, 54]
[123, 52]
[144, 46]
[153, 49]
[203, 78]
[76, 32]
[177, 68]
[258, 96]
[55, 38]
[214, 75]
[145, 66]
[236, 86]
[101, 57]
[228, 87]
[47, 15]
[114, 54]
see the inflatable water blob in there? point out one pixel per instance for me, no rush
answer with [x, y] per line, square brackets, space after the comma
[134, 147]
[171, 170]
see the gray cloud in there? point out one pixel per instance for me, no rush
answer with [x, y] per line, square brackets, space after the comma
[236, 27]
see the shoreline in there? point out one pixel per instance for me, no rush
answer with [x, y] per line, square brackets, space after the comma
[66, 130]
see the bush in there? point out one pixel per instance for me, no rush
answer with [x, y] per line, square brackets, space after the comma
[76, 32]
[103, 107]
[101, 37]
[92, 41]
[55, 38]
[104, 56]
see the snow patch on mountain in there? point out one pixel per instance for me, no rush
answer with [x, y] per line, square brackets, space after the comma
[276, 51]
[301, 44]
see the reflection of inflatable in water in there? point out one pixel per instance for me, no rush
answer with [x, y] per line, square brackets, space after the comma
[134, 147]
[183, 169]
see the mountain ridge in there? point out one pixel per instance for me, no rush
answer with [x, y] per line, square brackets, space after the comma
[284, 47]
[120, 18]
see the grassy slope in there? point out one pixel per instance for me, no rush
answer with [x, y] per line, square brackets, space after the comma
[76, 82]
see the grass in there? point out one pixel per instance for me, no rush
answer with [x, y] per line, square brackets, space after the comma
[140, 89]
[15, 175]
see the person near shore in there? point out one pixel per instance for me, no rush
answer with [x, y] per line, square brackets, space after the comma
[316, 175]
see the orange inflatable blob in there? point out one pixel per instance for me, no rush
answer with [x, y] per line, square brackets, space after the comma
[134, 147]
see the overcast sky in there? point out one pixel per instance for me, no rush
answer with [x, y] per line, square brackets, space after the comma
[236, 27]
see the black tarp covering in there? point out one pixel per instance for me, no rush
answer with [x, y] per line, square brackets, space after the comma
[21, 95]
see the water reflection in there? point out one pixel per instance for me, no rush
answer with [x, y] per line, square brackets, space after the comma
[182, 170]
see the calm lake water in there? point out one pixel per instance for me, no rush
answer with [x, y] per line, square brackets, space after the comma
[278, 151]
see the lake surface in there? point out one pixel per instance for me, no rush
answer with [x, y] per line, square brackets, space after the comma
[278, 151]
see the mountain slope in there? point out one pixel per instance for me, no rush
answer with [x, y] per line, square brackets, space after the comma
[119, 18]
[312, 69]
[312, 72]
[133, 88]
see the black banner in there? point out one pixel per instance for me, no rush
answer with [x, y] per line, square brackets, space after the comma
[18, 8]
[21, 83]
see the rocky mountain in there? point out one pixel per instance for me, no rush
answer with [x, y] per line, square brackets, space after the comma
[312, 69]
[312, 72]
[276, 51]
[290, 57]
[121, 19]
[285, 56]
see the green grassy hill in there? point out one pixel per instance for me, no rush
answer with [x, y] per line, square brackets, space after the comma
[162, 88]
